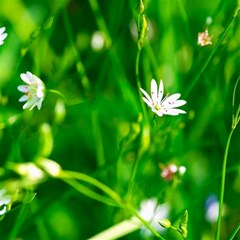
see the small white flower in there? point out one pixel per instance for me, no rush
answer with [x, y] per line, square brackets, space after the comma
[2, 35]
[151, 212]
[34, 91]
[160, 105]
[204, 39]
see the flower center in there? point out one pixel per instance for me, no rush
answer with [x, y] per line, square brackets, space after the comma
[157, 107]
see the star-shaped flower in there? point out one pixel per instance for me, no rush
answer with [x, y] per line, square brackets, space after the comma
[2, 35]
[34, 92]
[160, 105]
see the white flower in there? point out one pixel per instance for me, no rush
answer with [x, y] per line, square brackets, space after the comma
[2, 35]
[160, 105]
[34, 91]
[204, 39]
[151, 212]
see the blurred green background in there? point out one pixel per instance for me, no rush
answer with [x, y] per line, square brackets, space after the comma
[87, 51]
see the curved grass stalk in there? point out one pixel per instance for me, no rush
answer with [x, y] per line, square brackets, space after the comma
[86, 191]
[235, 121]
[94, 182]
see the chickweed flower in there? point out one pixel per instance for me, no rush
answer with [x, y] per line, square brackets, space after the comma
[204, 39]
[34, 92]
[160, 105]
[2, 35]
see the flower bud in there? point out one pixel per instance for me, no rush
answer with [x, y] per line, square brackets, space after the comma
[143, 27]
[140, 7]
[51, 167]
[165, 223]
[183, 224]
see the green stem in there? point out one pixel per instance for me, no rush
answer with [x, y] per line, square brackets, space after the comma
[58, 93]
[235, 232]
[94, 182]
[86, 191]
[79, 65]
[223, 184]
[141, 150]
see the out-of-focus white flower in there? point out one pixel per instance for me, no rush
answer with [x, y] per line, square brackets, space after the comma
[204, 39]
[29, 171]
[34, 92]
[151, 212]
[3, 35]
[160, 105]
[97, 41]
[182, 170]
[212, 207]
[4, 201]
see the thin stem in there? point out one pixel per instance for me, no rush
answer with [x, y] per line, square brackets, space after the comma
[138, 83]
[58, 93]
[144, 130]
[86, 191]
[235, 232]
[223, 184]
[79, 65]
[94, 182]
[234, 91]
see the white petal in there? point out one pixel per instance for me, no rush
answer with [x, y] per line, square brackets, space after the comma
[37, 80]
[3, 211]
[173, 112]
[35, 104]
[173, 97]
[173, 104]
[159, 113]
[2, 29]
[39, 104]
[3, 36]
[39, 92]
[23, 98]
[160, 91]
[29, 103]
[146, 95]
[26, 77]
[23, 88]
[154, 92]
[150, 104]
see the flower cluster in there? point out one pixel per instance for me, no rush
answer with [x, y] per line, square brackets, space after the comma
[204, 39]
[3, 35]
[34, 92]
[162, 106]
[170, 171]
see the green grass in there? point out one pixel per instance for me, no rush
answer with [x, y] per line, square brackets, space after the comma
[95, 126]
